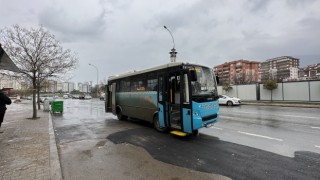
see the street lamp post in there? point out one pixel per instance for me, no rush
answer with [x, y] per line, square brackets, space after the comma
[97, 78]
[173, 53]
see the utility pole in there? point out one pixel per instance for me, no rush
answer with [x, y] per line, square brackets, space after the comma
[97, 78]
[173, 53]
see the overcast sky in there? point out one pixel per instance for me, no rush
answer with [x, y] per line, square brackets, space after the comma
[123, 35]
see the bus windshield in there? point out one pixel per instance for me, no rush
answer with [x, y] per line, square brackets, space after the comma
[205, 83]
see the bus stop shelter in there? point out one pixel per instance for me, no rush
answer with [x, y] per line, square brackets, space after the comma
[7, 64]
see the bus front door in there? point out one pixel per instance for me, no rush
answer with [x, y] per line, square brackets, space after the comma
[179, 102]
[186, 103]
[174, 102]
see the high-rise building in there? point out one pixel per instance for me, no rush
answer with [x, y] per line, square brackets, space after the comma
[284, 68]
[53, 86]
[238, 72]
[85, 87]
[68, 87]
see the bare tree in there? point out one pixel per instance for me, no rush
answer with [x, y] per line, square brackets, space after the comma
[38, 55]
[227, 87]
[270, 85]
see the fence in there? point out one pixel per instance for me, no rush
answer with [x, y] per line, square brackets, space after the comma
[286, 91]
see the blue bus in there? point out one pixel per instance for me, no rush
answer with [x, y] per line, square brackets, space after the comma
[177, 97]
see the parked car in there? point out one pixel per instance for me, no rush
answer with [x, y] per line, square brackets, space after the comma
[102, 96]
[87, 97]
[26, 97]
[65, 96]
[229, 101]
[81, 96]
[75, 96]
[42, 99]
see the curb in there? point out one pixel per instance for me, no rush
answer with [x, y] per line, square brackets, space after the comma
[55, 166]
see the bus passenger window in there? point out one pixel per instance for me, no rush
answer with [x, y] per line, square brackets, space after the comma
[152, 84]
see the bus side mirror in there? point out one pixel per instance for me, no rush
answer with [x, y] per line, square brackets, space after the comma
[217, 79]
[193, 75]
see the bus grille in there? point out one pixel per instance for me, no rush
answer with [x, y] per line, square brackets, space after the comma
[206, 118]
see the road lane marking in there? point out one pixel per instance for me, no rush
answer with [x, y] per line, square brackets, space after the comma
[246, 112]
[301, 116]
[257, 135]
[316, 146]
[315, 127]
[230, 117]
[216, 128]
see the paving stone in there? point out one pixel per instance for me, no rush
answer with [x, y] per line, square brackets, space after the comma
[25, 144]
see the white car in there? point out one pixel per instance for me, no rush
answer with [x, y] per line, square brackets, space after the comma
[87, 97]
[229, 101]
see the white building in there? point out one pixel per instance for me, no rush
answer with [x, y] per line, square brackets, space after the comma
[85, 87]
[294, 72]
[7, 81]
[68, 87]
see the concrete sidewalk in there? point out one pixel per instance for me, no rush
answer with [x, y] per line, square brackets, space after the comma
[25, 144]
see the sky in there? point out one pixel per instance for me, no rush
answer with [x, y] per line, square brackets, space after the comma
[118, 36]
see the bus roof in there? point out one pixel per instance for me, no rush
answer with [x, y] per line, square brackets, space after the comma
[132, 73]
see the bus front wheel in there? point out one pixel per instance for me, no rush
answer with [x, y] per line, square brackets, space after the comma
[121, 116]
[156, 124]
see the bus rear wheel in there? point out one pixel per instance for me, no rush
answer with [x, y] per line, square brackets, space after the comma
[156, 124]
[121, 116]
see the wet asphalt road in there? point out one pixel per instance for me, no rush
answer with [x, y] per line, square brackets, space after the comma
[281, 130]
[249, 142]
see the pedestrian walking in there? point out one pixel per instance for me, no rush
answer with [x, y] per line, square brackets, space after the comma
[4, 100]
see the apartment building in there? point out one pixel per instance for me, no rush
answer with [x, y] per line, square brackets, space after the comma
[284, 68]
[85, 87]
[52, 86]
[311, 72]
[238, 72]
[9, 81]
[68, 87]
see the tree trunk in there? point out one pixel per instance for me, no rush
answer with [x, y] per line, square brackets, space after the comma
[271, 96]
[34, 115]
[38, 92]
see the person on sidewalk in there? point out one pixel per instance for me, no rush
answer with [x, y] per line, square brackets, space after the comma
[4, 100]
